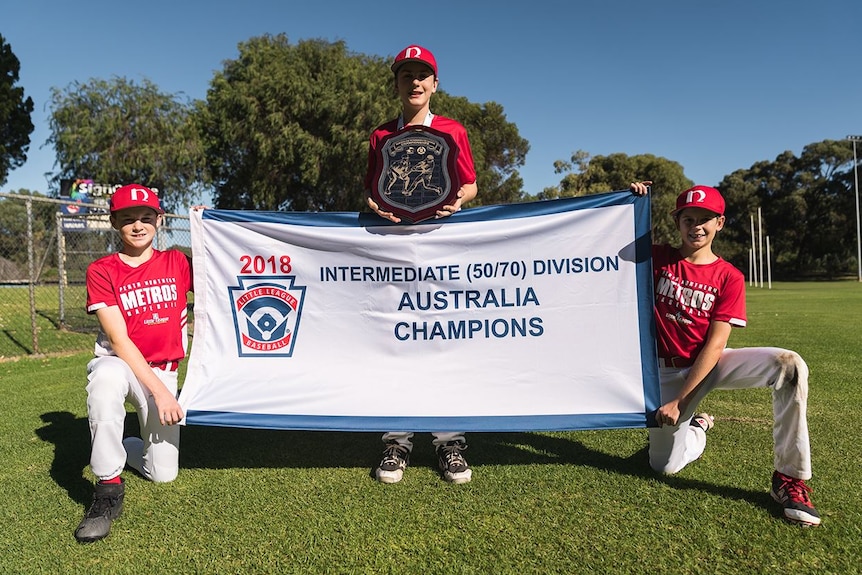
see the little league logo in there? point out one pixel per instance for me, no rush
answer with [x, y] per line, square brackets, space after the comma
[266, 315]
[417, 174]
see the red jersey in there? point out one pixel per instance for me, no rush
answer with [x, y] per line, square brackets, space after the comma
[689, 296]
[464, 163]
[152, 298]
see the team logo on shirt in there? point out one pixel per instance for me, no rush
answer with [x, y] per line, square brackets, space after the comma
[697, 298]
[678, 317]
[416, 173]
[266, 314]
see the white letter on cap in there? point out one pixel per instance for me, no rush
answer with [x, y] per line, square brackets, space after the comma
[701, 195]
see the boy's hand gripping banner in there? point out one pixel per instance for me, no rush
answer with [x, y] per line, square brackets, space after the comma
[534, 316]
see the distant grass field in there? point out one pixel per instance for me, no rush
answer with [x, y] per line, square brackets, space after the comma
[58, 329]
[16, 334]
[251, 501]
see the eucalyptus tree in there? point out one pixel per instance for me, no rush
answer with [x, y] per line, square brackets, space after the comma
[117, 131]
[16, 124]
[286, 127]
[583, 175]
[804, 204]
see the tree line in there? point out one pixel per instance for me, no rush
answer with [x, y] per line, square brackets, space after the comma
[285, 127]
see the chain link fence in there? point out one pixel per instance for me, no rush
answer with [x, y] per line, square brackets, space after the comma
[45, 248]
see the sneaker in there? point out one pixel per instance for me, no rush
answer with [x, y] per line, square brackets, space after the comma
[107, 506]
[393, 464]
[793, 493]
[452, 464]
[704, 421]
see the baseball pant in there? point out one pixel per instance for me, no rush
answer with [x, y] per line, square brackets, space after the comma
[440, 438]
[673, 447]
[155, 455]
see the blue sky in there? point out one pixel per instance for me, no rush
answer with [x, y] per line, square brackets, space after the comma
[715, 86]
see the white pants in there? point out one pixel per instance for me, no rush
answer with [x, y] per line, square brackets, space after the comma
[673, 447]
[155, 455]
[440, 438]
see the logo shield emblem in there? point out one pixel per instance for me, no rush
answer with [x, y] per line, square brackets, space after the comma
[266, 315]
[416, 173]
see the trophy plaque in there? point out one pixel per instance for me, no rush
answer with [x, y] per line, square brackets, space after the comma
[416, 173]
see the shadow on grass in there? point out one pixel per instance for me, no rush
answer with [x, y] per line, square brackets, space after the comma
[16, 344]
[505, 451]
[71, 438]
[229, 448]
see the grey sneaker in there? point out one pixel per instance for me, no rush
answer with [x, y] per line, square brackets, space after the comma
[107, 506]
[393, 464]
[452, 464]
[704, 421]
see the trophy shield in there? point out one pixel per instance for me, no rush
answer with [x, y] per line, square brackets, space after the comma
[416, 173]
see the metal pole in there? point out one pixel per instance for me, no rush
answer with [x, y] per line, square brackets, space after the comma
[31, 269]
[855, 139]
[61, 266]
[858, 236]
[750, 266]
[760, 240]
[768, 263]
[753, 253]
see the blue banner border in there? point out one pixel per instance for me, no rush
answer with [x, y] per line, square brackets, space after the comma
[550, 422]
[417, 424]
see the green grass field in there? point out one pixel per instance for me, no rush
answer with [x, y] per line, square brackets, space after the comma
[16, 333]
[250, 501]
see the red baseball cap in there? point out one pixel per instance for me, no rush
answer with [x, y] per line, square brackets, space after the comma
[700, 197]
[134, 195]
[414, 53]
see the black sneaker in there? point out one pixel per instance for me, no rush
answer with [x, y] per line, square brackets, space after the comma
[792, 494]
[393, 464]
[107, 506]
[452, 464]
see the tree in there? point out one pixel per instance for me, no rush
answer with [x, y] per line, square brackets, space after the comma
[584, 175]
[13, 227]
[15, 123]
[286, 128]
[498, 148]
[806, 208]
[115, 132]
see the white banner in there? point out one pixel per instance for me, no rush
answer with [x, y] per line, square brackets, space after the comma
[532, 316]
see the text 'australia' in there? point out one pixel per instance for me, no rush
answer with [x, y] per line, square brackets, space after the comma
[467, 299]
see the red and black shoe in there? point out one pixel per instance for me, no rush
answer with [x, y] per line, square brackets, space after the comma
[792, 494]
